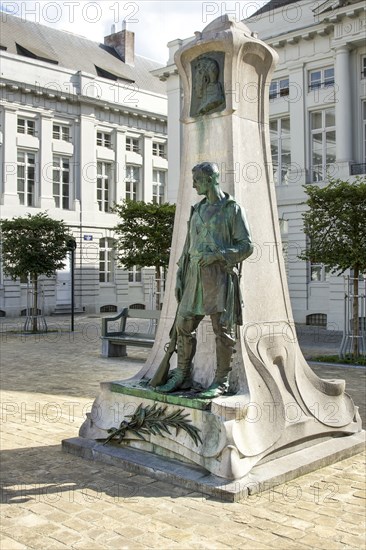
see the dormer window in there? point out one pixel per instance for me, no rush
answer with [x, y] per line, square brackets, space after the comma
[35, 54]
[105, 74]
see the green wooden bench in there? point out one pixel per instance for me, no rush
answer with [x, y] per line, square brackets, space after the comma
[115, 342]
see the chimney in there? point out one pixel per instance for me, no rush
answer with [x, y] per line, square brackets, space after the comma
[124, 44]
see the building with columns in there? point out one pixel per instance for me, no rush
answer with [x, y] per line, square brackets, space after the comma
[317, 126]
[82, 125]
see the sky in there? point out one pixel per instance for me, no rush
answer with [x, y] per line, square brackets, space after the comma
[154, 23]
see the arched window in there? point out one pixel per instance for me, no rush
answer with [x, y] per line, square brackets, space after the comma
[106, 260]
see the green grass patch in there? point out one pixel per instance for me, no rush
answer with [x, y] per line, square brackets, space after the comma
[348, 360]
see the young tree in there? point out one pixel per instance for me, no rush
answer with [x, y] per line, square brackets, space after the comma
[335, 225]
[35, 245]
[144, 236]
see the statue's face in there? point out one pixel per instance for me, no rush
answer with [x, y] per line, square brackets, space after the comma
[200, 80]
[201, 183]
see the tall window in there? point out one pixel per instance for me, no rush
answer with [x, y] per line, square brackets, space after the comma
[61, 132]
[323, 143]
[158, 186]
[26, 126]
[135, 274]
[106, 260]
[26, 173]
[278, 88]
[321, 78]
[104, 186]
[319, 273]
[158, 149]
[104, 139]
[132, 144]
[363, 66]
[132, 182]
[280, 149]
[61, 182]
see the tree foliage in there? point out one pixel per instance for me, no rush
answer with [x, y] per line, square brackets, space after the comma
[144, 234]
[335, 225]
[33, 244]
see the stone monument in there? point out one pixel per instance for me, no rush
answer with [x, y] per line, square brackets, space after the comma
[278, 419]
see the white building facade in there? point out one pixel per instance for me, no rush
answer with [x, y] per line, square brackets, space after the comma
[82, 125]
[317, 126]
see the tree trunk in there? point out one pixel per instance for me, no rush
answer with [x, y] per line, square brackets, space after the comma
[35, 303]
[356, 327]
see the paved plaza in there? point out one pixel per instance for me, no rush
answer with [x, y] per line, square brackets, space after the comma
[56, 500]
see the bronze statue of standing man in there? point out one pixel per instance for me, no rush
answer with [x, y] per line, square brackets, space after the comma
[218, 240]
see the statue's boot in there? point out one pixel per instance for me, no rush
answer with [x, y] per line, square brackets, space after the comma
[220, 384]
[176, 381]
[180, 378]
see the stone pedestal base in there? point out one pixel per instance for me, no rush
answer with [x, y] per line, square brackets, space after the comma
[261, 478]
[228, 429]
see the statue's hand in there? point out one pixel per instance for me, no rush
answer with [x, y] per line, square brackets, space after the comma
[179, 286]
[209, 259]
[178, 293]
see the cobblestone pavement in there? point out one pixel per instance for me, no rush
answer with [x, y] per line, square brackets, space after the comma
[55, 500]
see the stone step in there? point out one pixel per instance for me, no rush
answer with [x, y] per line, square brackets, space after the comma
[65, 309]
[190, 476]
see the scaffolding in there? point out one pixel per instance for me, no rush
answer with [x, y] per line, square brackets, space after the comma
[347, 344]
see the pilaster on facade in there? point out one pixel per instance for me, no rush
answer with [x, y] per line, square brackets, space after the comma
[11, 297]
[337, 296]
[120, 170]
[46, 199]
[343, 104]
[88, 167]
[10, 193]
[298, 114]
[146, 172]
[75, 138]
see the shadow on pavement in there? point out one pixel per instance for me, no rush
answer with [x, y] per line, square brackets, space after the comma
[45, 474]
